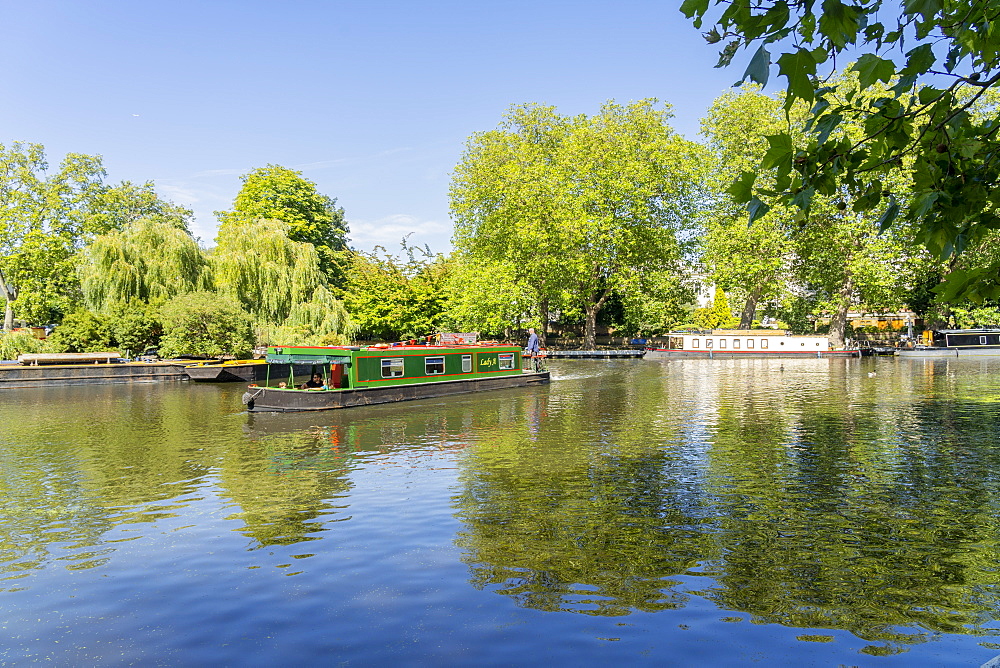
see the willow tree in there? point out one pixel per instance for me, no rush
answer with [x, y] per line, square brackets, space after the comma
[278, 193]
[148, 261]
[323, 321]
[578, 204]
[275, 278]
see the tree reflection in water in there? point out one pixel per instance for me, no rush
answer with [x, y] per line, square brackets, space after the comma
[807, 495]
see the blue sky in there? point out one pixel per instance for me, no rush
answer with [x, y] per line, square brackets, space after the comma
[373, 101]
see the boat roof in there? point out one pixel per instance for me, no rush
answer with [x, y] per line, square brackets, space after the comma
[395, 346]
[339, 354]
[985, 330]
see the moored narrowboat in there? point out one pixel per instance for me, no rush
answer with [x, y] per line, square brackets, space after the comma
[344, 376]
[958, 343]
[729, 343]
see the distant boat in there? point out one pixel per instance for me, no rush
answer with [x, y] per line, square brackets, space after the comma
[229, 371]
[353, 376]
[36, 359]
[743, 343]
[959, 343]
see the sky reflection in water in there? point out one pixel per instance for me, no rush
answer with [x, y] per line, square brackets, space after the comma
[720, 511]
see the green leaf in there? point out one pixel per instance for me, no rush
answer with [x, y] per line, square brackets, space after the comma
[742, 188]
[826, 125]
[759, 68]
[803, 198]
[839, 22]
[871, 68]
[757, 209]
[798, 68]
[926, 8]
[923, 203]
[692, 7]
[927, 94]
[918, 60]
[888, 217]
[779, 147]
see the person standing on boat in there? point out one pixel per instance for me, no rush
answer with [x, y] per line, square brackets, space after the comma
[532, 348]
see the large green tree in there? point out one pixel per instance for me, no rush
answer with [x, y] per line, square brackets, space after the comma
[118, 206]
[278, 193]
[205, 324]
[578, 205]
[749, 261]
[840, 260]
[43, 222]
[47, 215]
[258, 264]
[940, 60]
[487, 297]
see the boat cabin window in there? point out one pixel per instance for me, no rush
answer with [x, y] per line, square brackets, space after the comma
[695, 343]
[708, 343]
[466, 363]
[763, 343]
[982, 340]
[392, 368]
[433, 365]
[749, 343]
[736, 344]
[722, 343]
[506, 360]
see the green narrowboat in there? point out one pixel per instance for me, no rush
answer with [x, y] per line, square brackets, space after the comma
[344, 376]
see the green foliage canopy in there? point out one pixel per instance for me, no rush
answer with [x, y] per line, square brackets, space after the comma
[205, 323]
[256, 263]
[43, 221]
[577, 205]
[149, 260]
[278, 193]
[389, 297]
[940, 62]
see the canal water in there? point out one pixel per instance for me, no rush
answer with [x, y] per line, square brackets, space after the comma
[680, 512]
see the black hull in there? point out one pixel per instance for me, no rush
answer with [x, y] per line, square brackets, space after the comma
[12, 376]
[270, 399]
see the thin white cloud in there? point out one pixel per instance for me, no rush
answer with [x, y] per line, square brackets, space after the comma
[220, 172]
[389, 231]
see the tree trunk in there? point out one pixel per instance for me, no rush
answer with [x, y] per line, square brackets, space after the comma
[543, 315]
[590, 328]
[9, 293]
[750, 308]
[838, 323]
